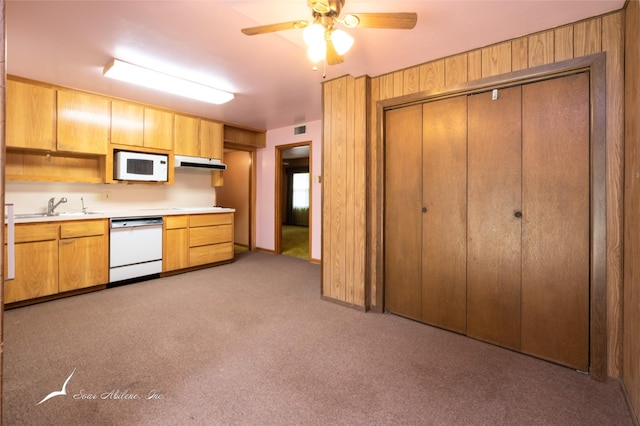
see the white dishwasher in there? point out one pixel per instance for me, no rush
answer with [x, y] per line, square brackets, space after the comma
[135, 248]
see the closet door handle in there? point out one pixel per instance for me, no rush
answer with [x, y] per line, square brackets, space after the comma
[518, 214]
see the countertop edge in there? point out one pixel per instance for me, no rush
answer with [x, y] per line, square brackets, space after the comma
[124, 214]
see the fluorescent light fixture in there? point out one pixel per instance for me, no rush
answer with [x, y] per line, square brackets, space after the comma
[124, 71]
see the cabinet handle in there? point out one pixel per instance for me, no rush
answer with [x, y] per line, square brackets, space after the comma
[518, 214]
[424, 210]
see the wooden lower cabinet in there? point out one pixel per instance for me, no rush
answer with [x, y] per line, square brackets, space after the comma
[36, 271]
[55, 257]
[195, 240]
[83, 252]
[175, 249]
[210, 238]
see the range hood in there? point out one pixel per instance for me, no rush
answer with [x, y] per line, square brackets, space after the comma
[198, 162]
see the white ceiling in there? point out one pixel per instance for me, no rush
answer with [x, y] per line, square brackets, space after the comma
[69, 42]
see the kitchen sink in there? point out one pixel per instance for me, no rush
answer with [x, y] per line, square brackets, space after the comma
[30, 215]
[75, 213]
[35, 215]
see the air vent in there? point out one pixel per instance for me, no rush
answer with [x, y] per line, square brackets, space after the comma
[300, 130]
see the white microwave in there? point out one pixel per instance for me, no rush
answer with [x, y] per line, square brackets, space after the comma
[140, 166]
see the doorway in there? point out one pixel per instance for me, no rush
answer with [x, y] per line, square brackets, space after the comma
[238, 192]
[293, 200]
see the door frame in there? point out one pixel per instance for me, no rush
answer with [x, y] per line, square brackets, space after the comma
[278, 194]
[595, 65]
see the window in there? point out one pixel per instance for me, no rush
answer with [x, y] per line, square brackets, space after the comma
[300, 190]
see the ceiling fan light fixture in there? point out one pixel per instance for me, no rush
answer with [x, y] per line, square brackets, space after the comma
[350, 21]
[320, 6]
[156, 80]
[313, 34]
[342, 41]
[317, 52]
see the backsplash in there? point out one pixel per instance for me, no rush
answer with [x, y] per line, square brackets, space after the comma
[192, 188]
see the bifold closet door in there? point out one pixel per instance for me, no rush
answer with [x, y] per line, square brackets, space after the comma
[403, 211]
[556, 216]
[494, 239]
[444, 218]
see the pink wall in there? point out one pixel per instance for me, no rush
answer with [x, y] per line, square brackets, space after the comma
[265, 205]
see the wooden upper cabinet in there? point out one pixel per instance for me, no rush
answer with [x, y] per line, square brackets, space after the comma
[158, 129]
[186, 135]
[136, 125]
[239, 136]
[30, 116]
[127, 123]
[83, 122]
[211, 139]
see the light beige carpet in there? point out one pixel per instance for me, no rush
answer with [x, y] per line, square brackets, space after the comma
[252, 343]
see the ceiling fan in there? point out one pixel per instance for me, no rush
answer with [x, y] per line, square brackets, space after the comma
[325, 41]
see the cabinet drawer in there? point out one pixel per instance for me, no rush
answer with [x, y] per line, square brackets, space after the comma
[176, 222]
[210, 219]
[85, 228]
[210, 254]
[210, 235]
[25, 233]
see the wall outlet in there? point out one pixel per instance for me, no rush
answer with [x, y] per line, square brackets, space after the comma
[105, 195]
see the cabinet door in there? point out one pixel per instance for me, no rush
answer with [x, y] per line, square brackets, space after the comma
[494, 230]
[186, 136]
[127, 123]
[36, 271]
[403, 212]
[30, 116]
[83, 123]
[444, 224]
[84, 262]
[158, 129]
[211, 139]
[556, 214]
[176, 249]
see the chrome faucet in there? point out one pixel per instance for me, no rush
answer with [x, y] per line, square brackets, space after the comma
[51, 206]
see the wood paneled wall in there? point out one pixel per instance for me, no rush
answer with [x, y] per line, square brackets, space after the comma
[599, 34]
[631, 358]
[344, 199]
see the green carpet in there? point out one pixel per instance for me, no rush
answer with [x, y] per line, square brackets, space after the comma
[238, 248]
[295, 241]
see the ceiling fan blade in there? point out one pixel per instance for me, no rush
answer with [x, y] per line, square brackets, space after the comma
[333, 57]
[262, 29]
[403, 21]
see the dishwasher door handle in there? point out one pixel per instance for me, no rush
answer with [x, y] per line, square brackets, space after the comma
[145, 225]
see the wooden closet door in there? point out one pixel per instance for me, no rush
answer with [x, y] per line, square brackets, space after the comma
[444, 223]
[556, 212]
[494, 228]
[403, 211]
